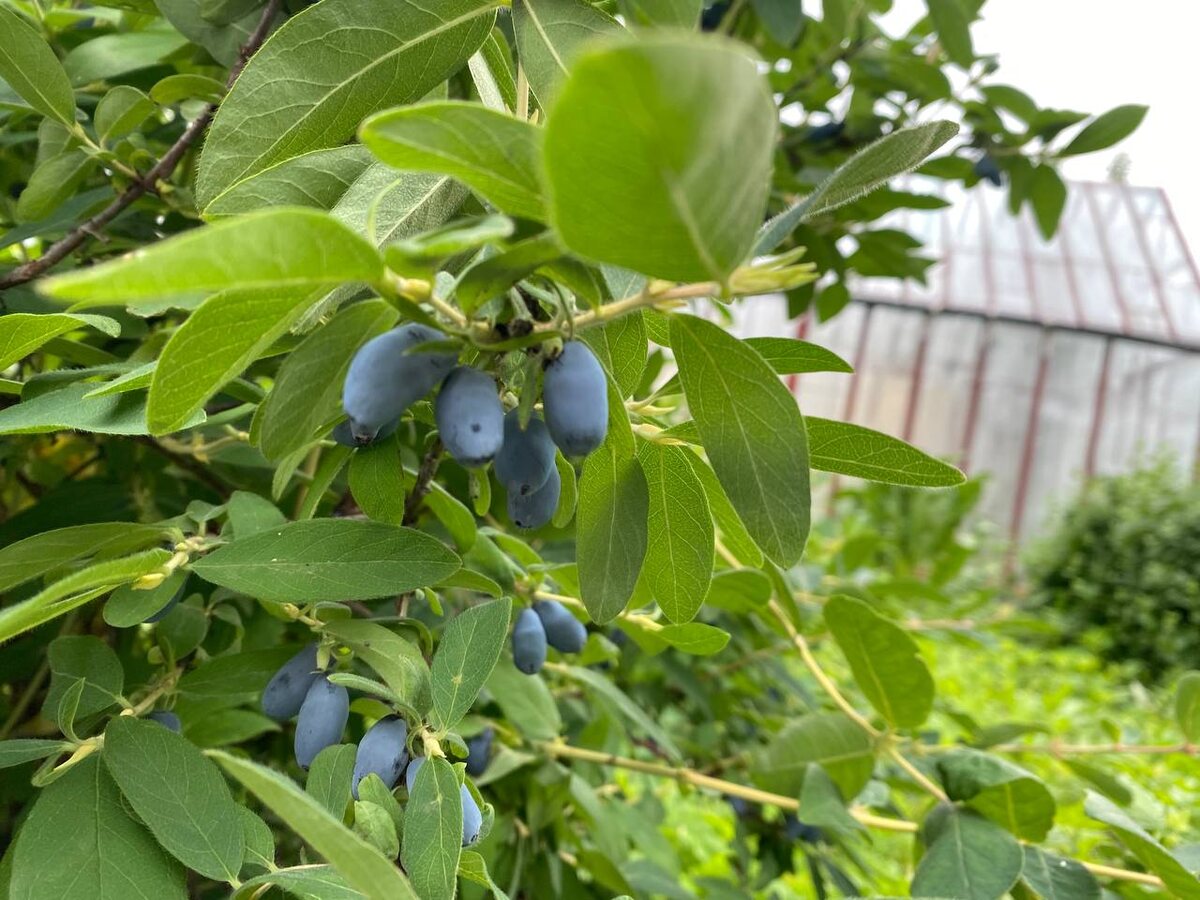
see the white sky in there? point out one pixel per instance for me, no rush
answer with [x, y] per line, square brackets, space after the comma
[1091, 55]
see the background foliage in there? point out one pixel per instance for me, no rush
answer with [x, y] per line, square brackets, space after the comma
[772, 700]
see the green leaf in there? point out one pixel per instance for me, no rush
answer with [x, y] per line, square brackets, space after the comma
[329, 559]
[52, 183]
[279, 249]
[526, 702]
[249, 514]
[22, 750]
[237, 673]
[1004, 792]
[620, 345]
[679, 549]
[784, 20]
[1179, 881]
[121, 111]
[670, 13]
[465, 657]
[227, 726]
[433, 831]
[491, 152]
[364, 867]
[377, 481]
[373, 822]
[224, 39]
[77, 589]
[329, 778]
[886, 663]
[695, 638]
[971, 859]
[88, 660]
[849, 449]
[830, 740]
[388, 205]
[31, 69]
[1105, 130]
[739, 590]
[307, 393]
[79, 843]
[649, 129]
[327, 69]
[821, 803]
[752, 432]
[69, 408]
[870, 168]
[788, 356]
[733, 532]
[604, 687]
[179, 794]
[472, 867]
[953, 28]
[611, 526]
[112, 55]
[453, 514]
[397, 661]
[493, 276]
[308, 882]
[34, 556]
[1187, 706]
[217, 342]
[187, 86]
[1056, 878]
[318, 179]
[1048, 196]
[549, 35]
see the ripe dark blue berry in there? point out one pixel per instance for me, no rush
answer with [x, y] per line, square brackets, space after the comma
[535, 509]
[382, 751]
[526, 458]
[286, 690]
[472, 817]
[469, 416]
[479, 751]
[410, 774]
[987, 169]
[166, 719]
[575, 400]
[564, 632]
[529, 642]
[322, 719]
[384, 379]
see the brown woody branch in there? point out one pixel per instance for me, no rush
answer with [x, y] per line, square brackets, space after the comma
[162, 170]
[412, 504]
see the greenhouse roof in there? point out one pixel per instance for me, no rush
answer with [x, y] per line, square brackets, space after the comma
[1118, 266]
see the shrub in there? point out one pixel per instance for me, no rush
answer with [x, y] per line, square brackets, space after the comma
[1123, 566]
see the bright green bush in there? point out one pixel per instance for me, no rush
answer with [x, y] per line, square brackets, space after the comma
[1124, 567]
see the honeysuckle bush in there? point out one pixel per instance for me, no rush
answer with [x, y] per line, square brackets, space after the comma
[213, 521]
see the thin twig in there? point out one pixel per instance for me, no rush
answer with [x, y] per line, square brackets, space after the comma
[558, 749]
[188, 464]
[818, 673]
[692, 777]
[161, 171]
[412, 503]
[1054, 748]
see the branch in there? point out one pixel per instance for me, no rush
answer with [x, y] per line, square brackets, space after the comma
[162, 170]
[412, 504]
[1054, 748]
[187, 464]
[818, 673]
[558, 749]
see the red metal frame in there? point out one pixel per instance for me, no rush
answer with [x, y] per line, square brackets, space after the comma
[1031, 433]
[1144, 245]
[972, 422]
[1106, 251]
